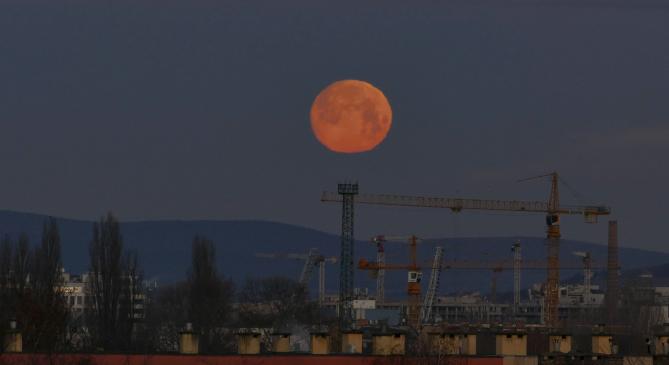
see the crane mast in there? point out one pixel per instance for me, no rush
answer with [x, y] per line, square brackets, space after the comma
[517, 262]
[553, 236]
[381, 274]
[347, 193]
[433, 285]
[553, 255]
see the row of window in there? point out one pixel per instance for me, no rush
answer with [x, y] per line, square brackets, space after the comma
[78, 300]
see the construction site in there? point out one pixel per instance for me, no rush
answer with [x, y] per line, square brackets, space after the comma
[552, 322]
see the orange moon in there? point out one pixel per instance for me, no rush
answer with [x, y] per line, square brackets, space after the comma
[351, 116]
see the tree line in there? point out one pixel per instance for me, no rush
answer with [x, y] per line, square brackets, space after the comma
[122, 314]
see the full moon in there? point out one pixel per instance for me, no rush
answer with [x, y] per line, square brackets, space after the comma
[351, 116]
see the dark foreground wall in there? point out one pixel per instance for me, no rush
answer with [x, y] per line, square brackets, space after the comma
[87, 359]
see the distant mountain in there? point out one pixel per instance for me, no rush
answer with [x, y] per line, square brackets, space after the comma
[164, 250]
[660, 274]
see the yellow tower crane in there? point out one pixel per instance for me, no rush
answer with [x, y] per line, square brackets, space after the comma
[551, 208]
[414, 276]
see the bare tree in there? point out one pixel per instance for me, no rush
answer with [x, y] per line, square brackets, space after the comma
[276, 304]
[6, 297]
[209, 297]
[49, 312]
[20, 297]
[132, 298]
[167, 313]
[5, 261]
[29, 283]
[21, 266]
[111, 319]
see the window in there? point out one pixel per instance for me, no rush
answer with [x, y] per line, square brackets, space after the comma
[79, 300]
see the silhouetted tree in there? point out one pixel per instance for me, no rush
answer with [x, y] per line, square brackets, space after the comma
[6, 291]
[5, 261]
[20, 298]
[30, 283]
[21, 266]
[132, 296]
[209, 304]
[167, 312]
[113, 284]
[203, 299]
[48, 310]
[276, 304]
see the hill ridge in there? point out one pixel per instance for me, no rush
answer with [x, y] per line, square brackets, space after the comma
[164, 250]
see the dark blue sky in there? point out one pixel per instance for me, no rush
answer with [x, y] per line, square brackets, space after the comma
[199, 109]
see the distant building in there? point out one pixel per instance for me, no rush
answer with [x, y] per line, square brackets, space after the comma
[75, 289]
[76, 294]
[575, 304]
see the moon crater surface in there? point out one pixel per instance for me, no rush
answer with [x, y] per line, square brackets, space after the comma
[351, 116]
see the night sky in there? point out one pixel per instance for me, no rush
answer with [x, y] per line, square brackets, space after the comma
[199, 109]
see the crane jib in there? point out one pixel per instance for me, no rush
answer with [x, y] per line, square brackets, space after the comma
[458, 204]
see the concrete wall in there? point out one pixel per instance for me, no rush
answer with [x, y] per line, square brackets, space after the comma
[389, 344]
[351, 343]
[12, 342]
[188, 343]
[602, 344]
[281, 343]
[248, 344]
[511, 344]
[320, 344]
[471, 345]
[559, 343]
[662, 345]
[447, 344]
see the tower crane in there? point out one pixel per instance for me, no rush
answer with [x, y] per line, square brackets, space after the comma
[433, 286]
[553, 236]
[551, 208]
[517, 262]
[311, 259]
[414, 277]
[381, 273]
